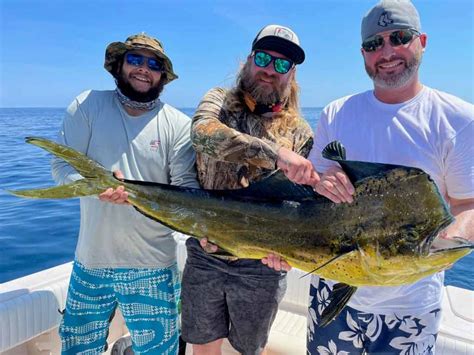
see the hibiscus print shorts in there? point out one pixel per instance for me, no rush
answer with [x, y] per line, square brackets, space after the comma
[354, 332]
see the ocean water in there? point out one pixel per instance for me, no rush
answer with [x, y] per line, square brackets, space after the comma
[38, 234]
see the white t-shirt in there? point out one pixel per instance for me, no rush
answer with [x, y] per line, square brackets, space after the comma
[155, 146]
[433, 131]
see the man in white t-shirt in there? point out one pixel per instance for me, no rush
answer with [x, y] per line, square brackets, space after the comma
[400, 122]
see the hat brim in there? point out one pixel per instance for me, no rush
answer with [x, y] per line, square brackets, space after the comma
[116, 51]
[278, 44]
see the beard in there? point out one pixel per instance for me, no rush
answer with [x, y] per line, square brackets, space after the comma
[397, 80]
[127, 89]
[263, 94]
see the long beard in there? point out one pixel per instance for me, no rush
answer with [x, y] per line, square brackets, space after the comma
[266, 95]
[127, 89]
[397, 80]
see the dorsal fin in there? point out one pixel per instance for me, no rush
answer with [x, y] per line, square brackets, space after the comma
[275, 187]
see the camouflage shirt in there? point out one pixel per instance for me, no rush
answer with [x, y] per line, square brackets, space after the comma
[233, 145]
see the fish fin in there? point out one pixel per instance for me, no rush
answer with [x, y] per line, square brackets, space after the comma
[89, 169]
[274, 187]
[325, 264]
[79, 161]
[338, 298]
[334, 151]
[79, 188]
[357, 170]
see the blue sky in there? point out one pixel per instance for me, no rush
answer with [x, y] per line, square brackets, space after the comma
[52, 50]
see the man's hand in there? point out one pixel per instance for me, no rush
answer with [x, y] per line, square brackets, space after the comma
[208, 246]
[118, 196]
[276, 262]
[296, 168]
[335, 185]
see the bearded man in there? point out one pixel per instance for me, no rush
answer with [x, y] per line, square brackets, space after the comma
[240, 135]
[123, 258]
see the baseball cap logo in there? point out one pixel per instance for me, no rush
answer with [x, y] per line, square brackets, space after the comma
[284, 33]
[384, 19]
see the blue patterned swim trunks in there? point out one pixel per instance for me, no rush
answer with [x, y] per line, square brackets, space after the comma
[147, 298]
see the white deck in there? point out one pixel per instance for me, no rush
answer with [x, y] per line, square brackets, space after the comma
[29, 316]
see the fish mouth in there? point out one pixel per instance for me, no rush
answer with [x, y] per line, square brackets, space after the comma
[441, 245]
[428, 246]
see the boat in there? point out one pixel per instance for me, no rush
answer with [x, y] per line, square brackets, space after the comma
[29, 315]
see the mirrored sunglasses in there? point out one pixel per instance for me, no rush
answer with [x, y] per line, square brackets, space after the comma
[397, 38]
[281, 65]
[138, 59]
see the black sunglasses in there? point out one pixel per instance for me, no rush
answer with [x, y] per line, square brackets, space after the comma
[281, 65]
[138, 59]
[397, 38]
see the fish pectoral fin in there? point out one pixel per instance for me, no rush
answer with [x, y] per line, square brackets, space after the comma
[334, 151]
[340, 295]
[79, 188]
[327, 263]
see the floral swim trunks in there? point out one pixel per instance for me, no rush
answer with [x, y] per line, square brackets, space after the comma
[355, 332]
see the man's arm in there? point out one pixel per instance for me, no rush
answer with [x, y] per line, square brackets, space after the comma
[182, 158]
[75, 133]
[214, 138]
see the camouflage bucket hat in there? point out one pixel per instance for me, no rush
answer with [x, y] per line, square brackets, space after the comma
[116, 50]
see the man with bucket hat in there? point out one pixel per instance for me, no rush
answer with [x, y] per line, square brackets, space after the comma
[124, 259]
[241, 135]
[402, 122]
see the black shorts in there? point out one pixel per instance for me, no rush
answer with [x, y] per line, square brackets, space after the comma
[237, 300]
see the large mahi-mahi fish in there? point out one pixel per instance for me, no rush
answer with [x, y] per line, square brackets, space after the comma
[385, 237]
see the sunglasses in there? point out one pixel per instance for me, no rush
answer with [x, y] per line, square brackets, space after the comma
[138, 59]
[397, 38]
[281, 65]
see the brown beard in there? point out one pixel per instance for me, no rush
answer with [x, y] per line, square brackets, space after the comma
[262, 94]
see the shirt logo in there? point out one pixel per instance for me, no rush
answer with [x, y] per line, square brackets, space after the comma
[154, 145]
[384, 19]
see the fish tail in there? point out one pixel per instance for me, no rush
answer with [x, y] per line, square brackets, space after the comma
[83, 164]
[78, 188]
[94, 174]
